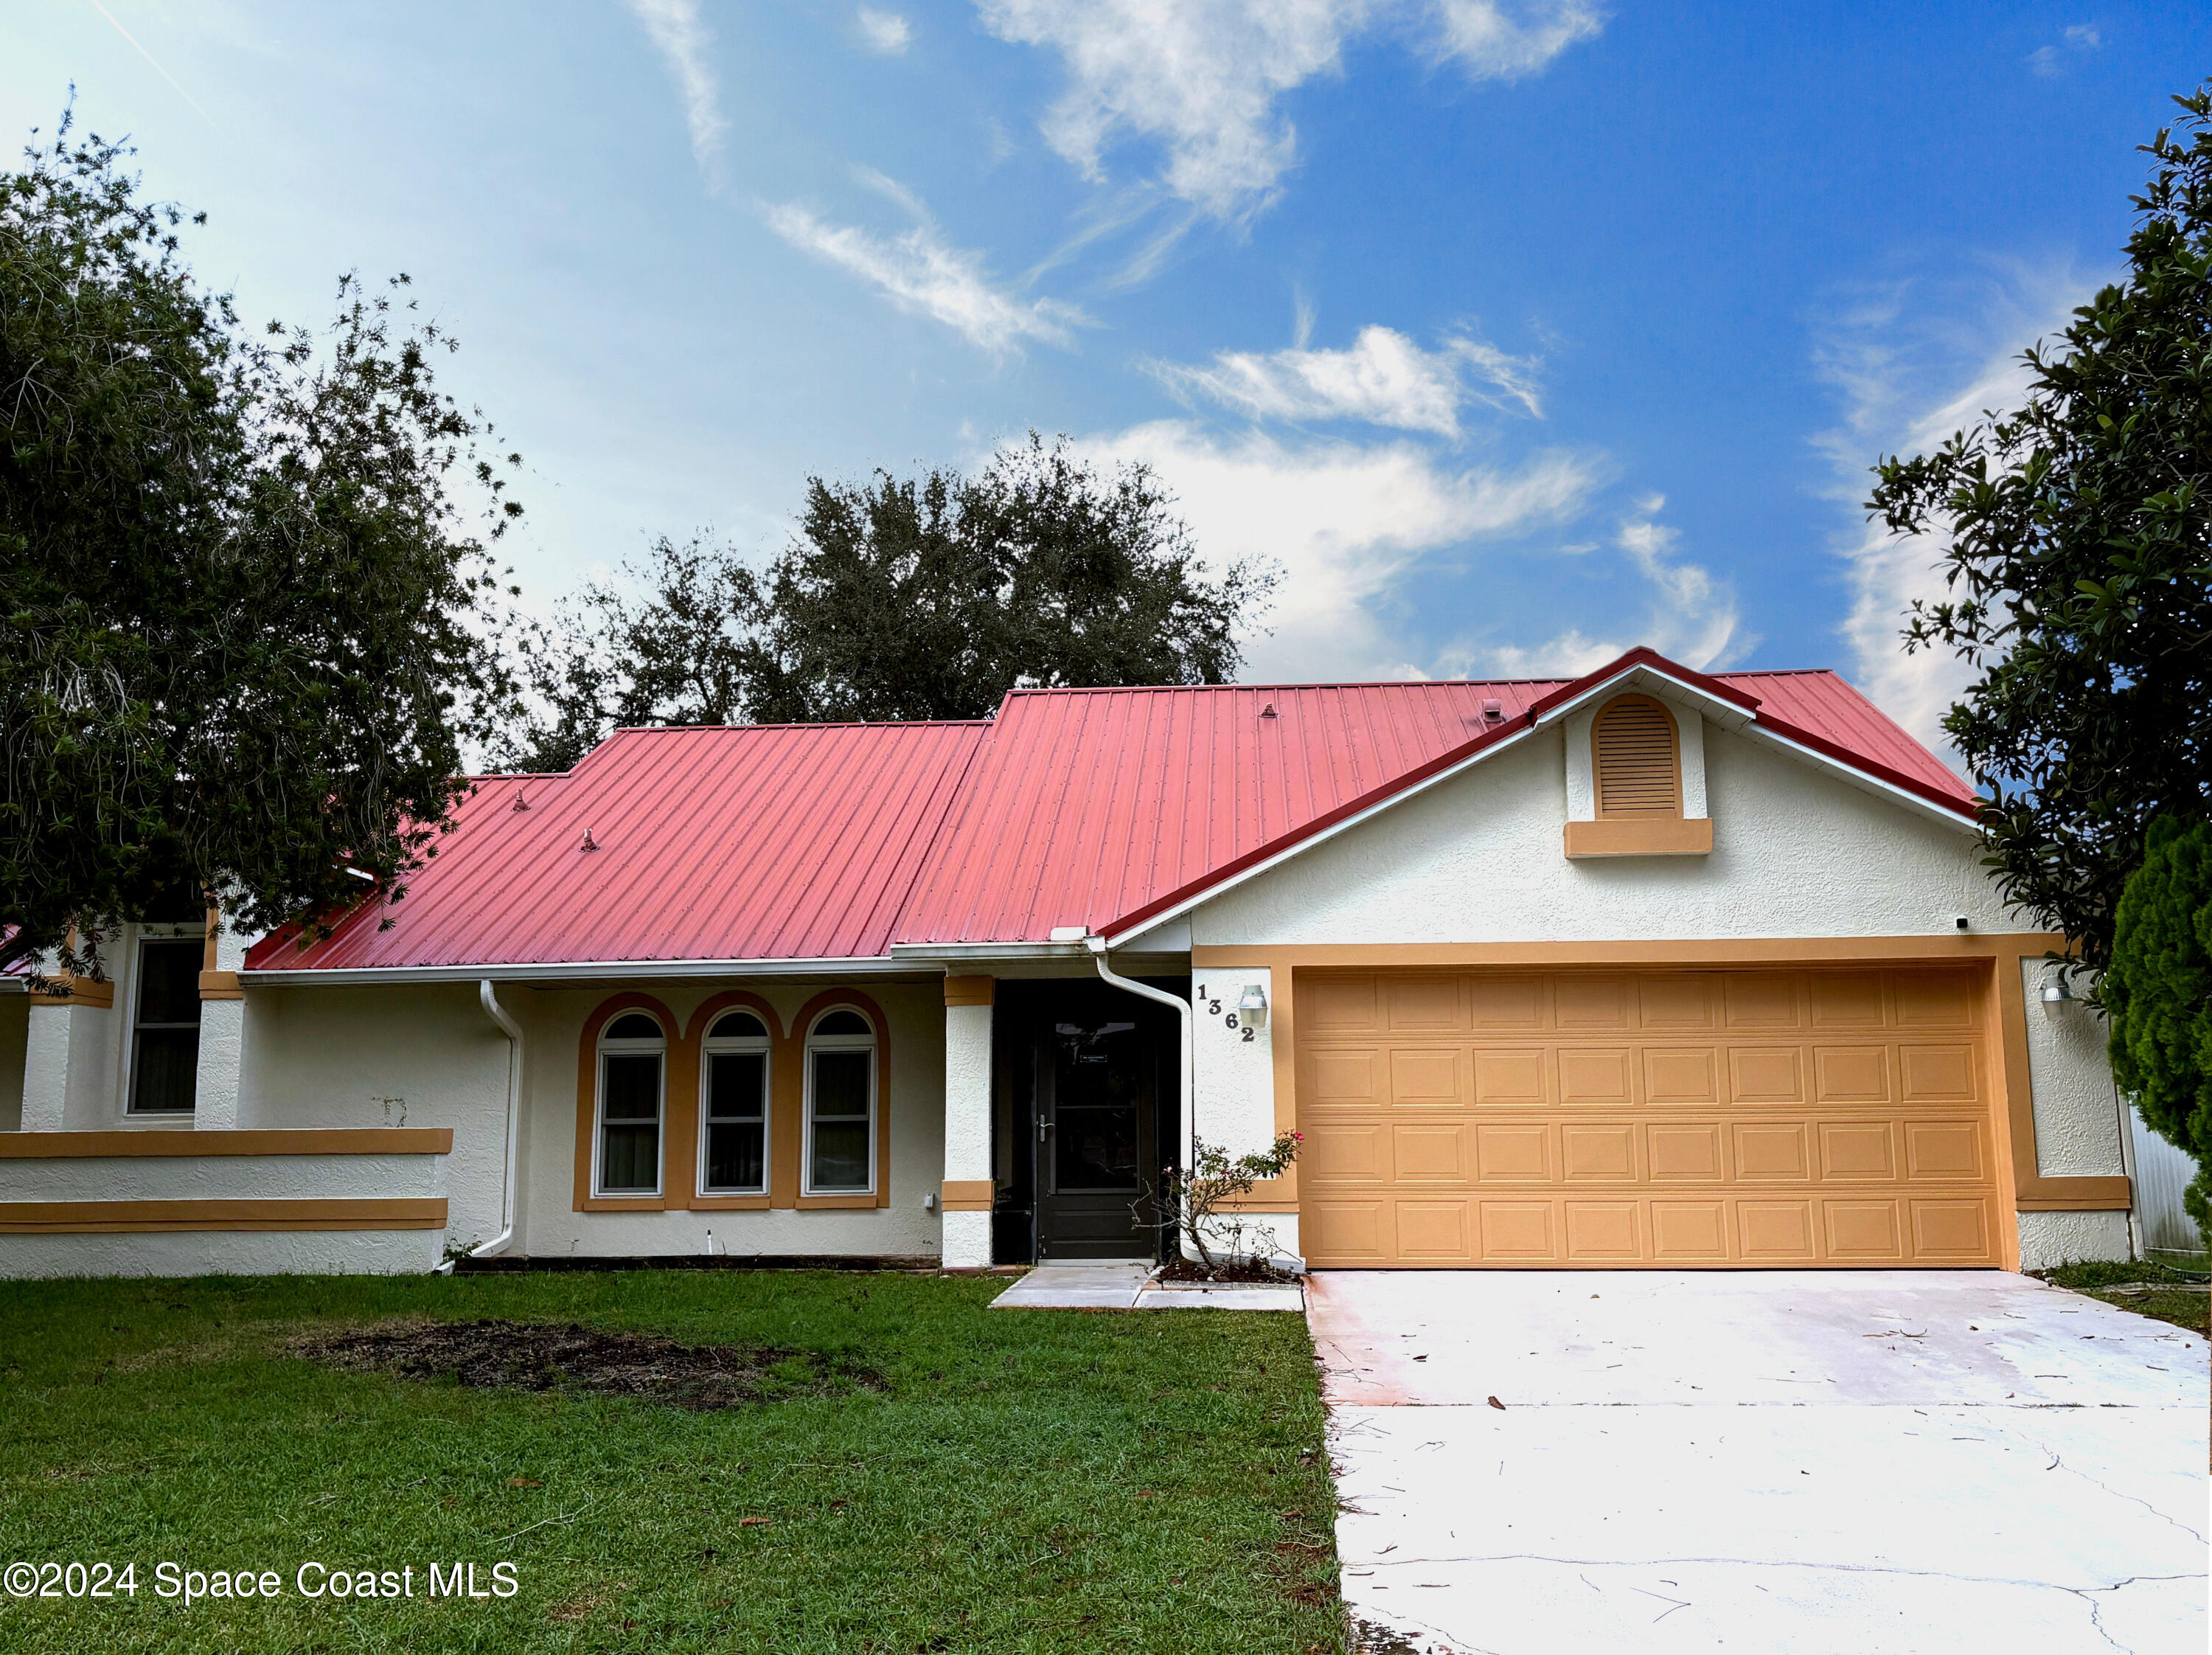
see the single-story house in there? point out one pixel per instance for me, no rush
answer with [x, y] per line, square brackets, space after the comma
[1650, 968]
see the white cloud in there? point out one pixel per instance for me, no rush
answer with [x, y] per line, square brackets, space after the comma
[2078, 39]
[1383, 379]
[682, 42]
[920, 273]
[1910, 371]
[1347, 524]
[1202, 77]
[1501, 42]
[1691, 618]
[884, 31]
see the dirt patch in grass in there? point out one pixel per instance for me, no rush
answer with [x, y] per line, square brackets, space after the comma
[547, 1356]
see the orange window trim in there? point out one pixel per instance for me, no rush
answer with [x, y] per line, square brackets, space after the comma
[1635, 759]
[680, 1109]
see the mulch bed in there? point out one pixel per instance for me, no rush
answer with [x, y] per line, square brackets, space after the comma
[546, 1356]
[1242, 1271]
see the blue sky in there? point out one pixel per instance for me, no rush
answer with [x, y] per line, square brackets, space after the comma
[1514, 333]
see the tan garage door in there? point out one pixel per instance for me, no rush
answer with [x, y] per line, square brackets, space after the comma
[1669, 1118]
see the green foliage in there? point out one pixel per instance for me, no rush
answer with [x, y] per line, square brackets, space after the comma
[1199, 1203]
[899, 599]
[2158, 993]
[235, 596]
[2079, 561]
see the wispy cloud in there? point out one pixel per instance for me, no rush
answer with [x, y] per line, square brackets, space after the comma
[2077, 41]
[1495, 42]
[677, 32]
[1202, 77]
[1383, 379]
[924, 274]
[1347, 523]
[1911, 363]
[884, 31]
[1690, 616]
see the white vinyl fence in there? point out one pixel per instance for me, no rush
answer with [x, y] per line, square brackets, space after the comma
[2161, 1173]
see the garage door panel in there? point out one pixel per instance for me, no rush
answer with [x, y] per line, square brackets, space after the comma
[1430, 1153]
[1767, 1150]
[1512, 1153]
[1351, 1077]
[1847, 1000]
[1688, 1074]
[1517, 1231]
[1864, 1232]
[1509, 1077]
[1595, 1076]
[1423, 1078]
[1434, 1232]
[1590, 1003]
[1762, 1000]
[1857, 1150]
[1851, 1075]
[1945, 1149]
[1932, 1073]
[1775, 1232]
[1766, 1074]
[1508, 1002]
[1419, 1003]
[1604, 1231]
[1679, 1118]
[1678, 1151]
[1952, 1232]
[1589, 1153]
[1689, 1232]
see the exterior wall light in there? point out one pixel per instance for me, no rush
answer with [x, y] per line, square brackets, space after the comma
[2056, 991]
[1252, 1006]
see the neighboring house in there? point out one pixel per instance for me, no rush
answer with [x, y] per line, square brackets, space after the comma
[1650, 968]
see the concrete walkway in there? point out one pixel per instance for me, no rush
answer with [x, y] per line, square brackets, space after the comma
[1817, 1461]
[1109, 1286]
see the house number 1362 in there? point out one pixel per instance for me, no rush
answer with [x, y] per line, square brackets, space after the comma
[1213, 1009]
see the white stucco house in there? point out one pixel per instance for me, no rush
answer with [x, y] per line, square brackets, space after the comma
[1648, 968]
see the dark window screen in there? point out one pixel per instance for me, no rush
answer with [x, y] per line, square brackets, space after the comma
[164, 1055]
[736, 1131]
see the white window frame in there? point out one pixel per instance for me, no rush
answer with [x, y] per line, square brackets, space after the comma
[659, 1046]
[869, 1043]
[127, 990]
[714, 1045]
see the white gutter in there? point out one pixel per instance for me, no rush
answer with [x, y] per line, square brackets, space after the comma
[488, 998]
[1097, 947]
[580, 970]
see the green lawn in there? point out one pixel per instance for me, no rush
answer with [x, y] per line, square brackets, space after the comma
[1005, 1481]
[2153, 1290]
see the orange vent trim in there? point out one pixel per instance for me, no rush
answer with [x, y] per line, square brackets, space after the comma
[1637, 759]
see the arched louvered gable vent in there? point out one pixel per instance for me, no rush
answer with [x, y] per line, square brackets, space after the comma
[1637, 759]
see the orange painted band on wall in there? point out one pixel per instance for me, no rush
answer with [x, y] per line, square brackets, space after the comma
[967, 1195]
[109, 1217]
[171, 1142]
[968, 990]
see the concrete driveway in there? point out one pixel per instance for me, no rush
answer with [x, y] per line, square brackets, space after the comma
[1814, 1460]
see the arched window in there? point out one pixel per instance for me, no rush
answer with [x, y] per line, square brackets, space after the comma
[841, 1096]
[632, 1061]
[733, 1124]
[1638, 758]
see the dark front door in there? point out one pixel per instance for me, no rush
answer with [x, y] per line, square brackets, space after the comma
[1097, 1107]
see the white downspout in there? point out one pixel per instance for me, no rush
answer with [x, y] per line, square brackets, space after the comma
[489, 999]
[1098, 946]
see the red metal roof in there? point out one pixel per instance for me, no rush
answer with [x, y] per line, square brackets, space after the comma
[1092, 807]
[769, 842]
[1105, 808]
